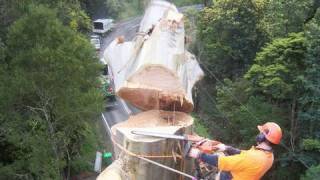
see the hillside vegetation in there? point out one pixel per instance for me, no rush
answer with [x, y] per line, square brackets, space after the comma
[262, 60]
[49, 101]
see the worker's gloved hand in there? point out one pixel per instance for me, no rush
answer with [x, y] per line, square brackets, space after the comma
[194, 153]
[220, 147]
[195, 138]
[207, 146]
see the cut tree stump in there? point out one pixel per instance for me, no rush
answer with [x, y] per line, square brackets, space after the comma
[165, 151]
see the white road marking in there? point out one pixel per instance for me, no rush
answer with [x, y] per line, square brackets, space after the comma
[125, 107]
[106, 123]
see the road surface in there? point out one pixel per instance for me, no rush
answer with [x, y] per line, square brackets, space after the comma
[126, 28]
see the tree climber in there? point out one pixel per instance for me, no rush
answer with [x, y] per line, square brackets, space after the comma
[249, 164]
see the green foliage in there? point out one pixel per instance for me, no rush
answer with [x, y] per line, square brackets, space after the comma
[10, 10]
[123, 9]
[311, 144]
[278, 68]
[180, 3]
[87, 149]
[73, 16]
[309, 113]
[231, 35]
[281, 73]
[69, 12]
[113, 8]
[200, 128]
[131, 8]
[243, 112]
[310, 101]
[47, 98]
[281, 81]
[312, 173]
[2, 51]
[282, 17]
[190, 26]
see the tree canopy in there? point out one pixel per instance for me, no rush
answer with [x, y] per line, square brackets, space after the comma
[231, 35]
[278, 67]
[262, 63]
[48, 98]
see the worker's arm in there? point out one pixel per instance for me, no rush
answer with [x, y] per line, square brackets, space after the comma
[232, 163]
[225, 163]
[209, 158]
[213, 159]
[232, 151]
[228, 149]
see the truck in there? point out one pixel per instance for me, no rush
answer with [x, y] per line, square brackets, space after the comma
[106, 88]
[95, 41]
[106, 85]
[102, 26]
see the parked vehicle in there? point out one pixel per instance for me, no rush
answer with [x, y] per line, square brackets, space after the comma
[101, 26]
[106, 88]
[106, 85]
[95, 41]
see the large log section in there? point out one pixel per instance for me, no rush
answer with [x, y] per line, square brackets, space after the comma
[155, 73]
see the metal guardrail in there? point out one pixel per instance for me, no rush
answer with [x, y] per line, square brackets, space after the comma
[105, 122]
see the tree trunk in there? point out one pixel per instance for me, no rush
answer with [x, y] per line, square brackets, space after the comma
[293, 124]
[155, 71]
[165, 151]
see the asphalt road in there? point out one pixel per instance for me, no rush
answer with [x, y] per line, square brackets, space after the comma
[126, 28]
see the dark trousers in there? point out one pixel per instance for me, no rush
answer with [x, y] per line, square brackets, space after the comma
[225, 175]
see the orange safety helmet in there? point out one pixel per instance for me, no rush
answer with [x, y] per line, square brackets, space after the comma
[272, 132]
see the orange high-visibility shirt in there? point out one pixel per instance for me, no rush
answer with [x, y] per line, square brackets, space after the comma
[248, 165]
